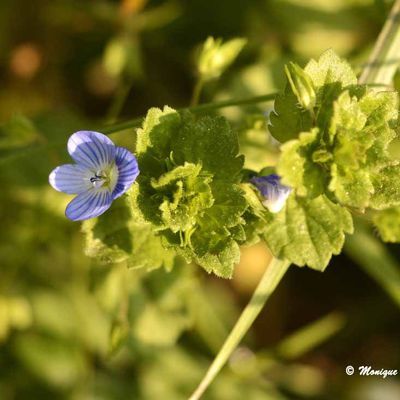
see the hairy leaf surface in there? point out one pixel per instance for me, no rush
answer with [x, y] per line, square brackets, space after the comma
[309, 232]
[189, 191]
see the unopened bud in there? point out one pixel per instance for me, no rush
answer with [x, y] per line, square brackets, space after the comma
[302, 85]
[216, 56]
[273, 192]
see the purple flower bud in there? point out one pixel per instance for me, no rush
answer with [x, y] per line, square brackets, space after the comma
[273, 192]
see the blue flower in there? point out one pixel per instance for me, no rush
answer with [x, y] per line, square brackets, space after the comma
[273, 192]
[102, 173]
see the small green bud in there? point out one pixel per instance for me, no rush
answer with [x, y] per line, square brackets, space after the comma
[301, 85]
[215, 56]
[122, 57]
[321, 156]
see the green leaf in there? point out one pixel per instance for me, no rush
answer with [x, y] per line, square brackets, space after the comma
[324, 79]
[154, 139]
[330, 69]
[257, 217]
[288, 118]
[214, 242]
[347, 152]
[381, 110]
[308, 232]
[188, 190]
[386, 188]
[388, 224]
[191, 194]
[209, 141]
[297, 167]
[361, 131]
[229, 204]
[116, 236]
[350, 179]
[330, 75]
[352, 188]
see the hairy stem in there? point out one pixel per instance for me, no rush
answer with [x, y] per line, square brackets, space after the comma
[206, 107]
[272, 276]
[385, 57]
[118, 101]
[136, 122]
[197, 92]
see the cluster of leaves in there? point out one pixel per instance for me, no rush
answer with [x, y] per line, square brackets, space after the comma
[189, 199]
[335, 154]
[189, 187]
[118, 237]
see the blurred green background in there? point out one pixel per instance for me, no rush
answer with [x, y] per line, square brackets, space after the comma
[71, 328]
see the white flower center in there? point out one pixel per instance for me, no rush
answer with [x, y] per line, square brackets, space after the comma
[106, 178]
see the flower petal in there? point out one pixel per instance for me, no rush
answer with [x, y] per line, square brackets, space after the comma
[128, 171]
[275, 194]
[70, 178]
[91, 149]
[89, 204]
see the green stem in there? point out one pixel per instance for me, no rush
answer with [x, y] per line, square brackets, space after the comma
[118, 101]
[197, 92]
[206, 107]
[384, 59]
[272, 276]
[136, 122]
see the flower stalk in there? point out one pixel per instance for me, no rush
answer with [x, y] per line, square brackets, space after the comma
[272, 276]
[385, 57]
[197, 92]
[205, 107]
